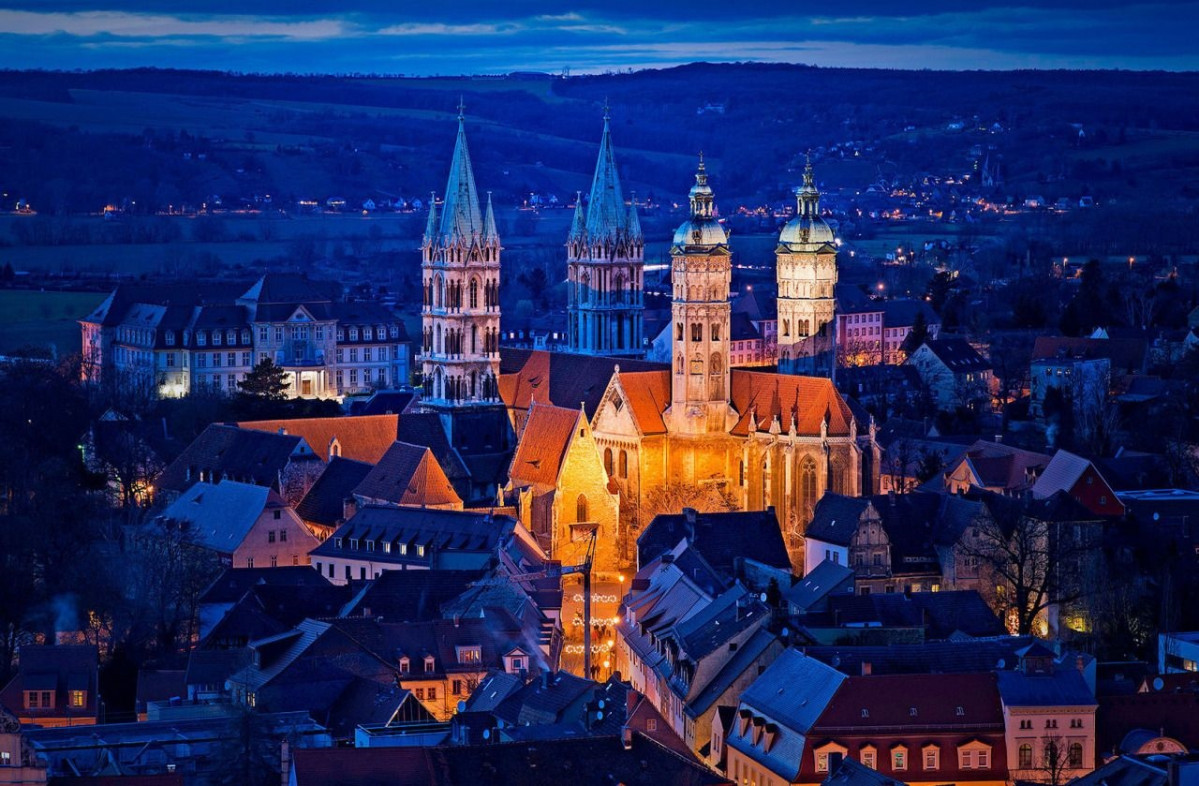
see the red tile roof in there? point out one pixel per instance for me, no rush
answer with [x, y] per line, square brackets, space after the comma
[888, 700]
[648, 393]
[543, 447]
[764, 395]
[362, 438]
[408, 475]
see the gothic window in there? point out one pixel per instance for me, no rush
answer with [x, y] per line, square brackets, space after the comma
[715, 331]
[437, 339]
[678, 364]
[474, 377]
[678, 333]
[474, 293]
[807, 485]
[697, 331]
[438, 292]
[786, 327]
[623, 467]
[474, 336]
[766, 482]
[741, 473]
[608, 461]
[804, 328]
[581, 509]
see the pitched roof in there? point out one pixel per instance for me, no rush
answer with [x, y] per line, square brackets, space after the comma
[808, 401]
[559, 378]
[409, 595]
[888, 700]
[1126, 354]
[721, 538]
[361, 438]
[998, 465]
[741, 327]
[933, 657]
[542, 449]
[941, 614]
[408, 475]
[648, 394]
[435, 530]
[325, 501]
[235, 582]
[823, 580]
[835, 519]
[957, 355]
[426, 428]
[851, 773]
[1061, 687]
[237, 454]
[461, 219]
[220, 515]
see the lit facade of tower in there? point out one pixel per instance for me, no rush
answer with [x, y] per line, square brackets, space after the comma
[700, 274]
[460, 318]
[605, 260]
[806, 259]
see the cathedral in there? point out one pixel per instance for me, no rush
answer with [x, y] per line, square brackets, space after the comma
[760, 439]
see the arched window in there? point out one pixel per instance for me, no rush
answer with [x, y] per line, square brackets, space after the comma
[474, 293]
[766, 482]
[678, 331]
[807, 486]
[623, 467]
[1025, 758]
[608, 461]
[786, 327]
[1050, 760]
[1075, 754]
[437, 339]
[715, 331]
[474, 337]
[438, 292]
[581, 508]
[741, 473]
[678, 364]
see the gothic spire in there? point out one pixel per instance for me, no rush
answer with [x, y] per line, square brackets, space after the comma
[431, 225]
[634, 225]
[578, 226]
[490, 235]
[701, 193]
[606, 214]
[461, 219]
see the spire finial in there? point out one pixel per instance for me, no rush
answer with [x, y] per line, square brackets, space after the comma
[461, 109]
[607, 110]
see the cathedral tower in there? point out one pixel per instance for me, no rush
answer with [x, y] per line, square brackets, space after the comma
[460, 319]
[700, 273]
[605, 259]
[807, 274]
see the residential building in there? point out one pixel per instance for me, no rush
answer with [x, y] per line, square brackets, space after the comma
[1083, 383]
[1082, 480]
[17, 765]
[954, 373]
[725, 540]
[1178, 652]
[1049, 717]
[222, 452]
[245, 525]
[872, 332]
[605, 261]
[995, 467]
[168, 341]
[55, 685]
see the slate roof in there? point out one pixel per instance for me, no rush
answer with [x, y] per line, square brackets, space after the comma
[851, 773]
[384, 402]
[836, 518]
[1003, 466]
[233, 583]
[721, 538]
[237, 454]
[583, 761]
[741, 328]
[361, 438]
[1064, 686]
[1172, 711]
[1126, 771]
[219, 516]
[1063, 471]
[746, 656]
[324, 503]
[939, 613]
[59, 668]
[957, 355]
[435, 530]
[409, 595]
[901, 312]
[408, 475]
[934, 657]
[817, 585]
[542, 449]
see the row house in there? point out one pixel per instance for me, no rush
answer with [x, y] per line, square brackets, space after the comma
[170, 341]
[872, 332]
[690, 642]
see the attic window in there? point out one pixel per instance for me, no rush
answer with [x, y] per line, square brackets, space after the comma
[405, 665]
[429, 663]
[961, 711]
[865, 713]
[472, 654]
[912, 711]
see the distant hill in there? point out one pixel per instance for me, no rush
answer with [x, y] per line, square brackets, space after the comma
[146, 139]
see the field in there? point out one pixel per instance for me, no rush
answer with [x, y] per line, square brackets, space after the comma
[43, 319]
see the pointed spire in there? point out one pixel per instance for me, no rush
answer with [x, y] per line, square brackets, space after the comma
[431, 225]
[634, 226]
[489, 231]
[578, 226]
[461, 219]
[701, 193]
[808, 196]
[606, 215]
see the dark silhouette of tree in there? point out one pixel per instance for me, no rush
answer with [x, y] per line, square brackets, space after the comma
[265, 381]
[917, 336]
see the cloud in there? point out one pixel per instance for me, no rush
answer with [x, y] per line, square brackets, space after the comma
[123, 24]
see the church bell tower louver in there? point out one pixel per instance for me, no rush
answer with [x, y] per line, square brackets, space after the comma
[460, 317]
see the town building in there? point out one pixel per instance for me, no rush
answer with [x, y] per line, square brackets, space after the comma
[872, 332]
[55, 685]
[171, 340]
[605, 261]
[955, 374]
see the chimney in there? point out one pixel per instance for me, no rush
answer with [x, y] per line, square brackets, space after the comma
[349, 507]
[867, 668]
[282, 431]
[626, 738]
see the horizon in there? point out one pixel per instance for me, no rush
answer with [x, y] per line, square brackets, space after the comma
[477, 38]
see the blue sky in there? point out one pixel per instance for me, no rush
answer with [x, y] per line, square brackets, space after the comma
[491, 36]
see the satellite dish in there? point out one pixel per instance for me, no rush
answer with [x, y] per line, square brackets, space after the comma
[599, 716]
[784, 633]
[601, 704]
[1001, 664]
[462, 706]
[1158, 684]
[1157, 516]
[762, 597]
[486, 734]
